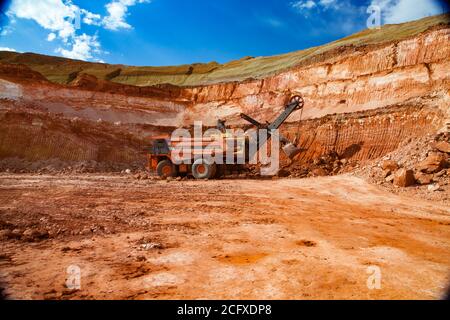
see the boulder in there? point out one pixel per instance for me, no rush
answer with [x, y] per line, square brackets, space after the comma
[440, 173]
[389, 165]
[404, 178]
[5, 234]
[33, 235]
[434, 187]
[433, 163]
[442, 146]
[423, 178]
[386, 173]
[283, 173]
[319, 172]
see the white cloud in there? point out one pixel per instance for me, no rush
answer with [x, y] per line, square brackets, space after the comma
[53, 15]
[301, 5]
[90, 18]
[4, 31]
[117, 12]
[83, 48]
[7, 49]
[307, 5]
[51, 37]
[398, 11]
[329, 4]
[64, 19]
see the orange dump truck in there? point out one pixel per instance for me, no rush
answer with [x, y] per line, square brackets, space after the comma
[224, 147]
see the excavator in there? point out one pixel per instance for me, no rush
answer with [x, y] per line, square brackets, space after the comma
[159, 154]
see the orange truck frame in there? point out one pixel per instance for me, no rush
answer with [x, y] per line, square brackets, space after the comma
[159, 157]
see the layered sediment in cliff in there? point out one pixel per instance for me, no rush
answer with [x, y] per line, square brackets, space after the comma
[355, 79]
[366, 135]
[360, 101]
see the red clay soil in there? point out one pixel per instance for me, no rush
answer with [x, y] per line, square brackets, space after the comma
[314, 238]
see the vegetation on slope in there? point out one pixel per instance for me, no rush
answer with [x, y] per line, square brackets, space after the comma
[61, 70]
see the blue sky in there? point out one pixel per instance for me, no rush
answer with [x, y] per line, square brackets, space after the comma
[171, 32]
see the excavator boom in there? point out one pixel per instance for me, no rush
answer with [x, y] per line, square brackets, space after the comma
[295, 103]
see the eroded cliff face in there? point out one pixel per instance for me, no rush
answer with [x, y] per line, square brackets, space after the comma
[354, 80]
[366, 135]
[359, 101]
[346, 80]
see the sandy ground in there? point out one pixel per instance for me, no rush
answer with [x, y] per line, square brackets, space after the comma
[315, 238]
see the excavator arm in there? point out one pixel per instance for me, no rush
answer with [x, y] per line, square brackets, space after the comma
[295, 103]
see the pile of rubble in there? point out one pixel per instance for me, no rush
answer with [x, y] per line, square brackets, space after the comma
[57, 166]
[422, 164]
[329, 164]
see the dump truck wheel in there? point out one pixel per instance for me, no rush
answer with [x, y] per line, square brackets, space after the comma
[203, 170]
[166, 168]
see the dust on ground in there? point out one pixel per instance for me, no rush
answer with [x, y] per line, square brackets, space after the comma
[314, 238]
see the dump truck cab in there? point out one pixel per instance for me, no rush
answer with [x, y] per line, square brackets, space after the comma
[158, 157]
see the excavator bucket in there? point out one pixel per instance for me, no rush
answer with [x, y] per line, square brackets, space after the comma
[291, 150]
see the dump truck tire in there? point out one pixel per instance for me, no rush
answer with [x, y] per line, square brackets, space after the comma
[203, 170]
[166, 168]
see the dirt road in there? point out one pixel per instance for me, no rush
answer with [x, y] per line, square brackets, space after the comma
[252, 239]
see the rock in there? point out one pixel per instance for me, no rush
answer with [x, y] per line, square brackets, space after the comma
[178, 178]
[404, 178]
[283, 173]
[440, 173]
[317, 161]
[127, 171]
[152, 245]
[336, 163]
[434, 187]
[28, 233]
[16, 233]
[137, 176]
[86, 231]
[34, 235]
[387, 173]
[6, 234]
[389, 178]
[442, 146]
[423, 178]
[389, 165]
[433, 163]
[319, 172]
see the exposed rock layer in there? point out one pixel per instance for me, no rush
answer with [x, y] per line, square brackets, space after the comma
[340, 91]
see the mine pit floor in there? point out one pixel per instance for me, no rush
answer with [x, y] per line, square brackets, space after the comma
[314, 238]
